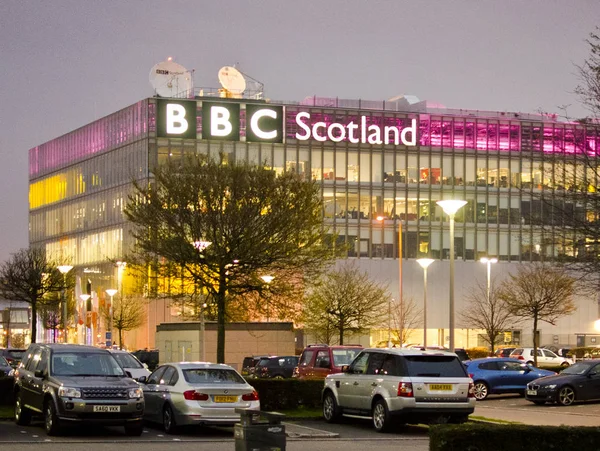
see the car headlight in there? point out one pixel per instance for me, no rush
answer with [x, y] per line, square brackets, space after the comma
[135, 393]
[550, 387]
[68, 392]
[11, 373]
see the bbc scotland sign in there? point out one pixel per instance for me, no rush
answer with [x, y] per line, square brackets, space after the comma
[265, 123]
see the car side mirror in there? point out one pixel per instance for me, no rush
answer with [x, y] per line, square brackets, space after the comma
[142, 379]
[526, 368]
[39, 373]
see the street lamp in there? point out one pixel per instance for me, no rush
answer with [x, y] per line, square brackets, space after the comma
[450, 207]
[401, 325]
[488, 262]
[203, 331]
[267, 280]
[425, 262]
[111, 292]
[64, 269]
[84, 298]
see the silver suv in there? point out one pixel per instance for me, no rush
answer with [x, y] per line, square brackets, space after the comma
[400, 386]
[69, 384]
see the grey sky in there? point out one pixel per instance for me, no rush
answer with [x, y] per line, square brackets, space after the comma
[65, 63]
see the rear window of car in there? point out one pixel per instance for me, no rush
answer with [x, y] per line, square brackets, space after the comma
[248, 361]
[517, 352]
[434, 366]
[344, 356]
[212, 376]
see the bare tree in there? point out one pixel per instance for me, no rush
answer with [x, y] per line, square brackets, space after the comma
[406, 318]
[490, 314]
[345, 301]
[29, 276]
[128, 313]
[539, 292]
[50, 315]
[589, 75]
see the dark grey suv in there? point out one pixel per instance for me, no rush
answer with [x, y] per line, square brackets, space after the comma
[69, 384]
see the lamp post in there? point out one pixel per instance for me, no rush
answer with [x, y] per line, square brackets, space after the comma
[111, 292]
[84, 298]
[425, 262]
[201, 246]
[488, 262]
[450, 207]
[64, 269]
[267, 280]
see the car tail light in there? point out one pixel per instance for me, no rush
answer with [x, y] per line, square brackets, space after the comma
[521, 357]
[405, 390]
[471, 375]
[193, 395]
[296, 372]
[250, 396]
[471, 393]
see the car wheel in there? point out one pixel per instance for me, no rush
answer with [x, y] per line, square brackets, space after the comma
[566, 396]
[22, 414]
[331, 411]
[51, 422]
[565, 364]
[279, 376]
[381, 416]
[135, 429]
[481, 390]
[169, 420]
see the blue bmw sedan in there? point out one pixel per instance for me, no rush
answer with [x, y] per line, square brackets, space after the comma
[494, 375]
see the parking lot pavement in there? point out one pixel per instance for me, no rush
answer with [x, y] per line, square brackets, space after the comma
[517, 409]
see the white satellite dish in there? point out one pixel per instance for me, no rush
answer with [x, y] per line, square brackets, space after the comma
[232, 80]
[169, 79]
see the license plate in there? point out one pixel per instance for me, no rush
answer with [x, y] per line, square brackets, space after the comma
[226, 398]
[107, 408]
[532, 392]
[440, 387]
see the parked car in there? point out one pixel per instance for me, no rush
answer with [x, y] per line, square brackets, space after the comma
[493, 375]
[503, 352]
[180, 394]
[70, 384]
[460, 352]
[399, 386]
[578, 382]
[317, 361]
[147, 356]
[249, 364]
[5, 369]
[545, 357]
[276, 367]
[130, 363]
[12, 355]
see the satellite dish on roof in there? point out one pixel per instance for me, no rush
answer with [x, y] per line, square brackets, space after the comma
[169, 79]
[232, 80]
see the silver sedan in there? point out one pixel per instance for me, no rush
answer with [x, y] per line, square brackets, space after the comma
[187, 393]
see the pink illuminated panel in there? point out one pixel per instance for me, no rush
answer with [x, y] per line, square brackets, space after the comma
[100, 136]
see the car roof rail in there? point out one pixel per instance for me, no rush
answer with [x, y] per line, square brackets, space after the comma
[315, 345]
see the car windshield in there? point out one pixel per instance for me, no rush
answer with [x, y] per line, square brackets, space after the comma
[434, 366]
[127, 360]
[212, 376]
[3, 361]
[577, 368]
[344, 356]
[16, 354]
[85, 364]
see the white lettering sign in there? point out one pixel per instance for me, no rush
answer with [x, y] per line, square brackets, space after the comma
[176, 122]
[371, 134]
[219, 121]
[257, 130]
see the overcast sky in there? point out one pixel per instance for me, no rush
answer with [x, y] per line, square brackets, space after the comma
[66, 63]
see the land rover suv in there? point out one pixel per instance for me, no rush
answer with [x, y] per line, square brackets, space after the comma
[400, 386]
[69, 384]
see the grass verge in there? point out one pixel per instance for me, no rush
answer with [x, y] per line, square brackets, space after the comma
[491, 420]
[6, 412]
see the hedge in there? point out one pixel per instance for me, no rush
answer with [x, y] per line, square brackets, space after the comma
[288, 394]
[512, 437]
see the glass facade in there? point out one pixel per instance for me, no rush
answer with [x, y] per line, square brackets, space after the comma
[79, 182]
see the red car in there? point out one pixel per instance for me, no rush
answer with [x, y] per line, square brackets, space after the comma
[318, 361]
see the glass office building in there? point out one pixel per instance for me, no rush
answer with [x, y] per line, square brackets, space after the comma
[378, 164]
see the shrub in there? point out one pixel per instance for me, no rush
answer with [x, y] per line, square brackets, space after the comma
[584, 352]
[478, 352]
[493, 437]
[287, 394]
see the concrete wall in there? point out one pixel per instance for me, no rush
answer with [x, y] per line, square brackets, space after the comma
[183, 341]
